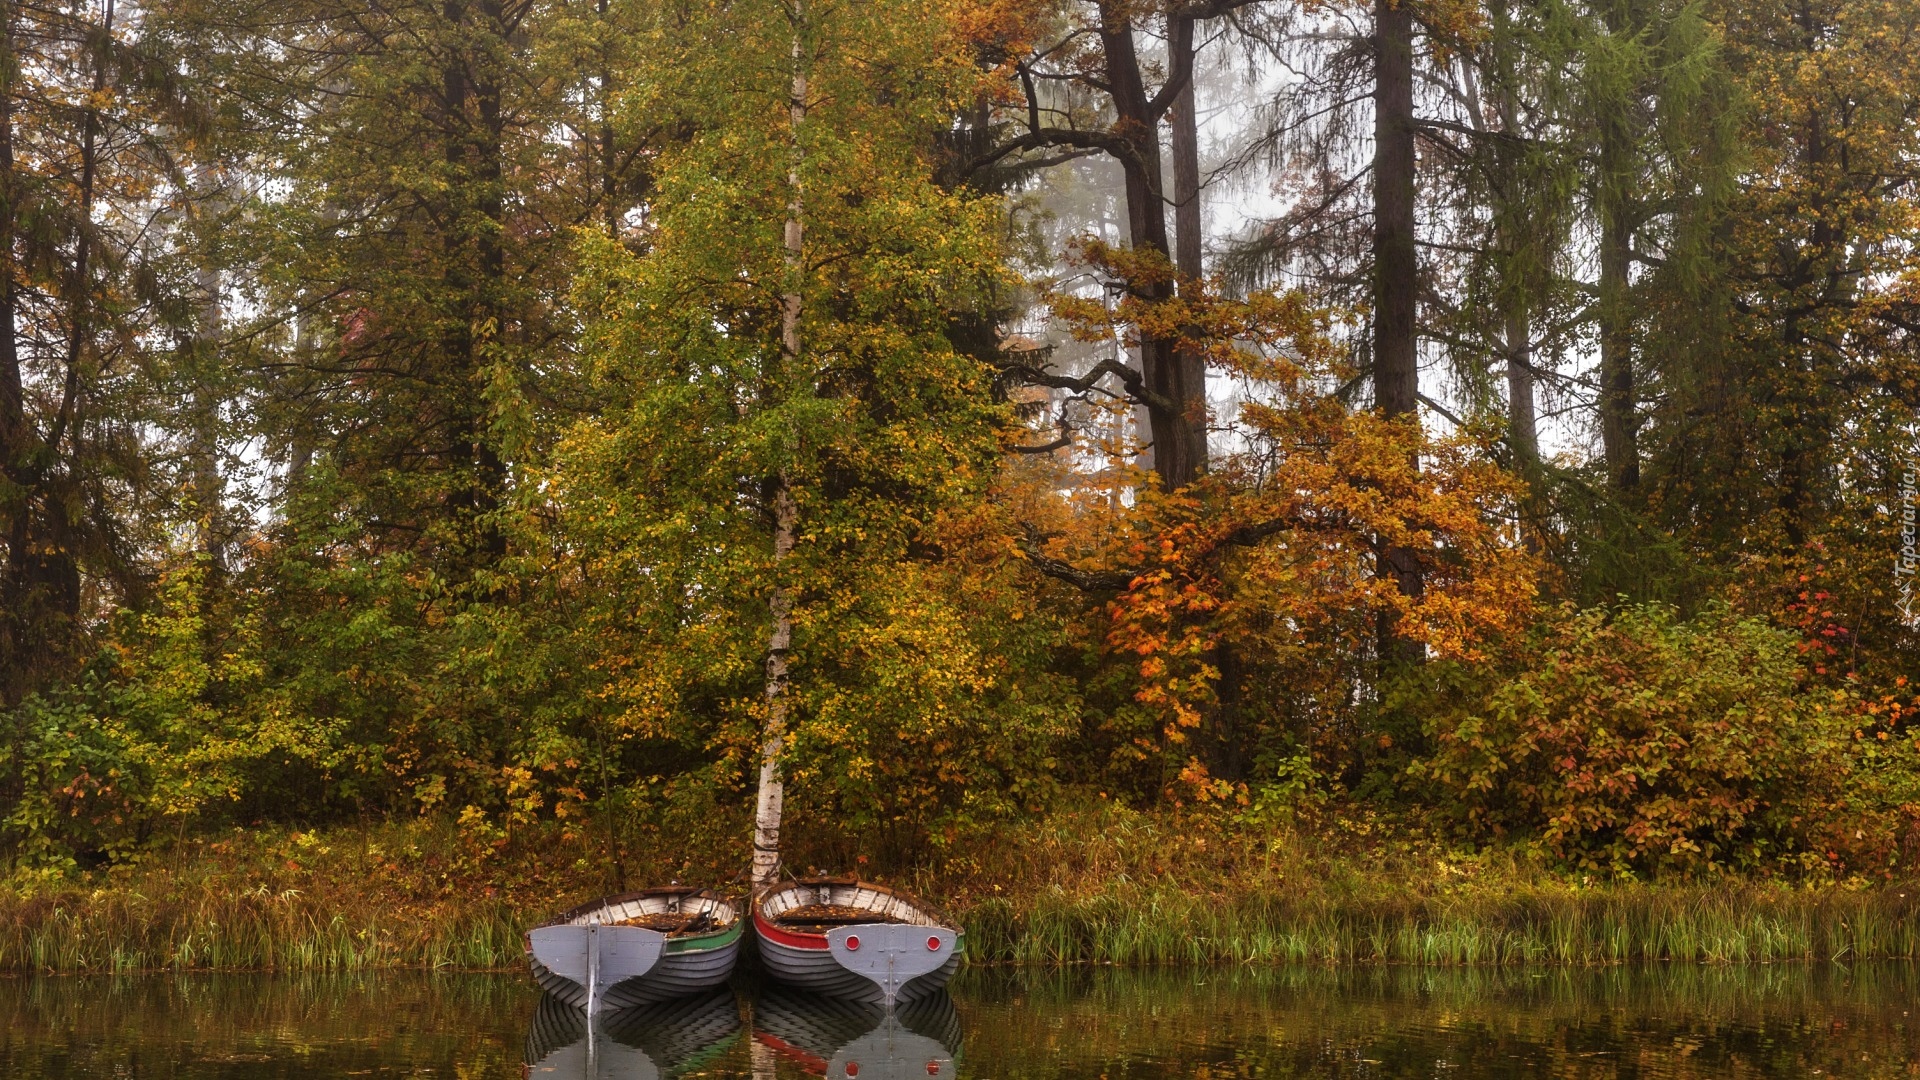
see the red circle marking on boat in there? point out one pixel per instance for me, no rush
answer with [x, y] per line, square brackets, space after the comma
[853, 1068]
[933, 1068]
[933, 944]
[853, 945]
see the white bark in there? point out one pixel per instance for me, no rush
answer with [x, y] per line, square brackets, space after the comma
[772, 796]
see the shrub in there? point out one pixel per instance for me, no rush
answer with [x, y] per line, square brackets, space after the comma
[166, 727]
[1629, 739]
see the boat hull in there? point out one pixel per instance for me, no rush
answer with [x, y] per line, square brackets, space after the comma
[818, 971]
[678, 974]
[806, 960]
[688, 966]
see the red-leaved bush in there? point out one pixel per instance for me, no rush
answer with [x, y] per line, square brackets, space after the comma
[1630, 740]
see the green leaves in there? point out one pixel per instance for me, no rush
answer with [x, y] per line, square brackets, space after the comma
[880, 431]
[1632, 740]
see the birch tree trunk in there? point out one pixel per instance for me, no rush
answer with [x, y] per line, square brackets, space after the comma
[772, 795]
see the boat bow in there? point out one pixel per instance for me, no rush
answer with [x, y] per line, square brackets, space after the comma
[891, 954]
[597, 956]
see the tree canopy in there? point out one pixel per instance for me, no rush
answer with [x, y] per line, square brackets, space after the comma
[886, 418]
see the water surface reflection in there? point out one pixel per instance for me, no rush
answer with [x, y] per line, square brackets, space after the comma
[843, 1040]
[1679, 1023]
[659, 1041]
[1488, 1024]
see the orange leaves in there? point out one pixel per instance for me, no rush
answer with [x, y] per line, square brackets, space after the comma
[1630, 740]
[1276, 338]
[1258, 590]
[1285, 569]
[997, 29]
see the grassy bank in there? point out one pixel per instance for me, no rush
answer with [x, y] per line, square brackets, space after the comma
[1100, 886]
[343, 901]
[1133, 925]
[1133, 889]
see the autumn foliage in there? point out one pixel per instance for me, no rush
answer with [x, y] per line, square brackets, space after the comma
[1634, 740]
[454, 410]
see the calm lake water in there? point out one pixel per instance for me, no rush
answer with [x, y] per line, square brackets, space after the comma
[1782, 1020]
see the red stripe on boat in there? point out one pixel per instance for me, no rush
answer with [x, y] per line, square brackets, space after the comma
[785, 937]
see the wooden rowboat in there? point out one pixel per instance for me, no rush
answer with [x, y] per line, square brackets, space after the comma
[638, 948]
[854, 939]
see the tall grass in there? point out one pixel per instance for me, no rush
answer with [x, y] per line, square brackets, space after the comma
[1103, 886]
[209, 927]
[1132, 924]
[1114, 887]
[410, 895]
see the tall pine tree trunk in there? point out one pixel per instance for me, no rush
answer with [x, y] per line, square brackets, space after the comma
[1522, 426]
[772, 794]
[1396, 372]
[1517, 287]
[1185, 122]
[40, 590]
[474, 271]
[1619, 440]
[1178, 413]
[1618, 433]
[1190, 367]
[15, 435]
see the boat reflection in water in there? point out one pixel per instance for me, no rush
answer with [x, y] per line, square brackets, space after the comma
[649, 1043]
[841, 1039]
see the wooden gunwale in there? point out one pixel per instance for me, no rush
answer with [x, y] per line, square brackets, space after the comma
[793, 939]
[681, 891]
[770, 928]
[688, 956]
[712, 939]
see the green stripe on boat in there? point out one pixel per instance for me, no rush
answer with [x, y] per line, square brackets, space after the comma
[714, 940]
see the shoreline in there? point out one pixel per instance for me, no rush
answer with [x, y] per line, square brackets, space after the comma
[1136, 891]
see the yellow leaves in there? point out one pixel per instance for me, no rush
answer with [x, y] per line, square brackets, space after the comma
[1272, 560]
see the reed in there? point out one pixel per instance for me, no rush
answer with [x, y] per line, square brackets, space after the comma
[1109, 886]
[1133, 924]
[214, 928]
[414, 895]
[1099, 886]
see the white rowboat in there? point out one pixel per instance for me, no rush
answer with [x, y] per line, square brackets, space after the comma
[686, 944]
[854, 939]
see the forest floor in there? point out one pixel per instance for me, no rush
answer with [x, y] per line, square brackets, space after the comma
[1098, 885]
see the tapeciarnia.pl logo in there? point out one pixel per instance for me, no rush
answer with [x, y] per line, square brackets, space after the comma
[1908, 563]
